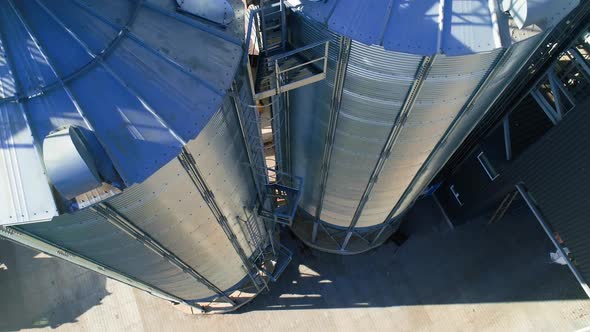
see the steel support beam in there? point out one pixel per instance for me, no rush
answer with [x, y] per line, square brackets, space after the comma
[552, 76]
[545, 106]
[396, 129]
[555, 90]
[335, 104]
[507, 137]
[580, 61]
[539, 216]
[378, 235]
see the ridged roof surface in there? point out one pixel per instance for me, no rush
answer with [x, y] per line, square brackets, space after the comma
[423, 27]
[144, 78]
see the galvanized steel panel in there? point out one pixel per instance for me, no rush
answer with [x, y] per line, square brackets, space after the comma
[169, 208]
[151, 92]
[25, 195]
[376, 85]
[217, 66]
[470, 27]
[92, 236]
[309, 112]
[220, 154]
[516, 57]
[450, 83]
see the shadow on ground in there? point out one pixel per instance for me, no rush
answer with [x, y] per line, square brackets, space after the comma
[39, 291]
[476, 263]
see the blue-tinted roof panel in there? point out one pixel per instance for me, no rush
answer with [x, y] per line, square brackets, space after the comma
[425, 27]
[144, 79]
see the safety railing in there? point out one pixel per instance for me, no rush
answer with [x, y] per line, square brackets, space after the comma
[282, 196]
[286, 71]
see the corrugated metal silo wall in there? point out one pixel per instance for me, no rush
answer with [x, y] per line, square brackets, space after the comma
[376, 85]
[450, 83]
[220, 153]
[309, 113]
[92, 236]
[511, 63]
[170, 209]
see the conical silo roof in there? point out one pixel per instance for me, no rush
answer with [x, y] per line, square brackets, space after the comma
[126, 70]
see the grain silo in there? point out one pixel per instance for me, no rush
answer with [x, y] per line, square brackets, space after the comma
[122, 150]
[406, 82]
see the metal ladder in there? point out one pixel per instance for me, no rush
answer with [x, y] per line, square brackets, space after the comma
[257, 238]
[273, 25]
[279, 69]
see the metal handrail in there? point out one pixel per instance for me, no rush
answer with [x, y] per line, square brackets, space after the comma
[298, 50]
[279, 71]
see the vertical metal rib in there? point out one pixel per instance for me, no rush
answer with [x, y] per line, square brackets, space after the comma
[538, 215]
[335, 104]
[420, 77]
[118, 220]
[24, 238]
[243, 128]
[190, 166]
[502, 57]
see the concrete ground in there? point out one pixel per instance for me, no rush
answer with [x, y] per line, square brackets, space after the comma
[477, 277]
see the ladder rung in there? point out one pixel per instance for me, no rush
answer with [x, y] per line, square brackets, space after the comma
[274, 26]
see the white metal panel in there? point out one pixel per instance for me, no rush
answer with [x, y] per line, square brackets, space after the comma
[25, 195]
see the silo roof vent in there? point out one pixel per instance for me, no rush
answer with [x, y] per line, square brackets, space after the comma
[69, 162]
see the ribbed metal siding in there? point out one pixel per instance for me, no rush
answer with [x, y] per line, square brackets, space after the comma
[92, 236]
[515, 58]
[169, 208]
[450, 83]
[221, 156]
[376, 85]
[309, 113]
